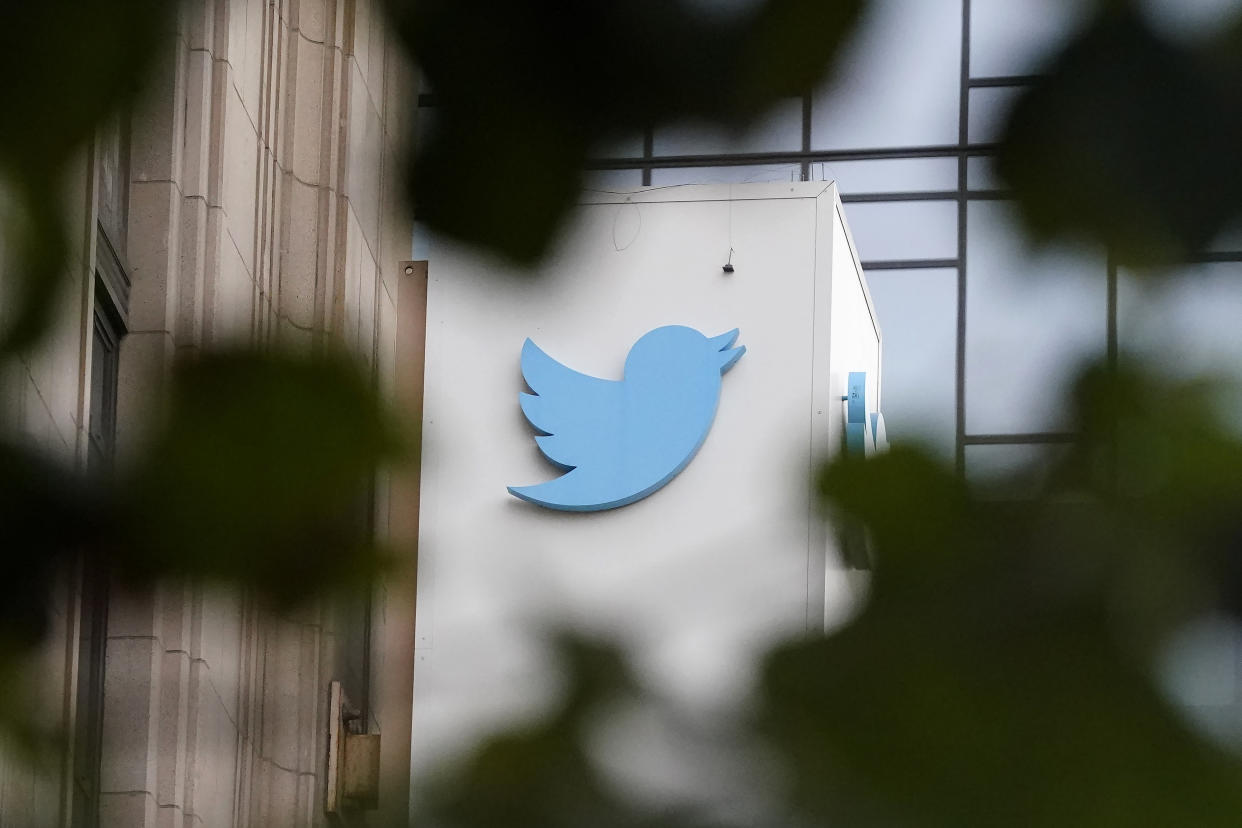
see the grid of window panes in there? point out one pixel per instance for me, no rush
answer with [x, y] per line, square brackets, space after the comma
[982, 335]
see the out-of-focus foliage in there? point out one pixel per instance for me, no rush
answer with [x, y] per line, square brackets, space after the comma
[261, 470]
[258, 475]
[68, 64]
[542, 774]
[1131, 138]
[47, 513]
[524, 91]
[1001, 672]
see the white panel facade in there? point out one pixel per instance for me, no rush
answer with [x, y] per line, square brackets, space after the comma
[702, 574]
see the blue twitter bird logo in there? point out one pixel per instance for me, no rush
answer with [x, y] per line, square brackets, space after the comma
[619, 441]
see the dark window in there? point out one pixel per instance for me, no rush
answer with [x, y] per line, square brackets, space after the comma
[88, 735]
[105, 351]
[112, 140]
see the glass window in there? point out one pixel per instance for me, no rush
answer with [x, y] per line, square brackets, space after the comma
[724, 8]
[1192, 20]
[897, 175]
[420, 243]
[426, 124]
[1032, 317]
[1187, 323]
[622, 146]
[904, 230]
[918, 317]
[1010, 471]
[725, 175]
[1015, 37]
[989, 107]
[897, 82]
[1199, 669]
[981, 174]
[1229, 239]
[113, 158]
[612, 179]
[105, 358]
[93, 610]
[780, 129]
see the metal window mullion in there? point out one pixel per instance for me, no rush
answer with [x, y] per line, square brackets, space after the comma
[1003, 81]
[740, 159]
[963, 140]
[806, 136]
[911, 264]
[1037, 438]
[648, 152]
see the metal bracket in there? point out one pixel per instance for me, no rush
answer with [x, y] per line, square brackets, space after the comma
[353, 758]
[856, 437]
[864, 433]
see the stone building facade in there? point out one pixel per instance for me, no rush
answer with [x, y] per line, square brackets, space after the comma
[251, 197]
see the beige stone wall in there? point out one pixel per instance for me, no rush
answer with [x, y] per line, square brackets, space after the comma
[43, 401]
[263, 210]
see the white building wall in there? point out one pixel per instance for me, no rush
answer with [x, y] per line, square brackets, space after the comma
[699, 576]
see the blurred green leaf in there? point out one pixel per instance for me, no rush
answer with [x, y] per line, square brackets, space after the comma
[525, 91]
[790, 45]
[1001, 672]
[904, 719]
[33, 269]
[539, 775]
[49, 516]
[1131, 139]
[69, 63]
[262, 475]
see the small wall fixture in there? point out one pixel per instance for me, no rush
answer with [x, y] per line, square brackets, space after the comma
[353, 759]
[728, 265]
[864, 432]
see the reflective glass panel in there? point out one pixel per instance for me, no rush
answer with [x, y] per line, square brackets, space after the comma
[917, 310]
[1032, 318]
[609, 180]
[724, 8]
[897, 175]
[1015, 37]
[989, 107]
[1006, 472]
[981, 174]
[420, 243]
[903, 230]
[1199, 668]
[725, 175]
[897, 82]
[620, 146]
[1192, 20]
[780, 129]
[1229, 239]
[1188, 323]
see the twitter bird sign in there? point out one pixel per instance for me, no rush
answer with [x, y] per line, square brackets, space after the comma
[636, 389]
[618, 441]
